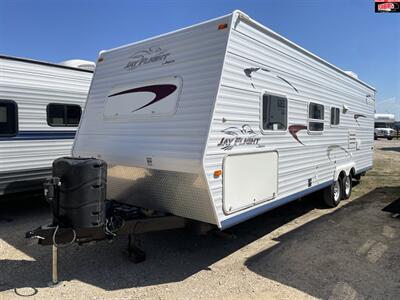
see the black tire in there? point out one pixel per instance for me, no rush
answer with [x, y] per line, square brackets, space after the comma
[375, 137]
[390, 138]
[332, 194]
[347, 187]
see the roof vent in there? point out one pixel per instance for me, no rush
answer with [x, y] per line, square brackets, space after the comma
[352, 74]
[79, 63]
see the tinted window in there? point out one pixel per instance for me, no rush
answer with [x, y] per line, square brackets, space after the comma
[383, 125]
[315, 126]
[335, 116]
[315, 113]
[60, 115]
[3, 114]
[8, 118]
[73, 114]
[274, 112]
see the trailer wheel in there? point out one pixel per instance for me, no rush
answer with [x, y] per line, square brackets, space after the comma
[333, 194]
[347, 186]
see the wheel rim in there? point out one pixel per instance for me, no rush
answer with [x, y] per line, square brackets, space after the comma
[336, 191]
[347, 185]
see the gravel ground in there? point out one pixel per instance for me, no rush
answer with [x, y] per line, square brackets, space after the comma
[300, 250]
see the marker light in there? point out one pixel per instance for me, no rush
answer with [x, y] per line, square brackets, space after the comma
[222, 26]
[217, 173]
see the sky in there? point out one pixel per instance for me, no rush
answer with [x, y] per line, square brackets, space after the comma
[348, 34]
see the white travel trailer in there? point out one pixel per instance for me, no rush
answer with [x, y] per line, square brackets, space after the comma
[384, 126]
[40, 108]
[224, 120]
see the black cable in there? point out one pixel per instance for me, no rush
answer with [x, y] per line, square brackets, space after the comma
[64, 245]
[35, 291]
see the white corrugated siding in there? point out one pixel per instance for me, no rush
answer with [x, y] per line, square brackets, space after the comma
[198, 57]
[238, 103]
[175, 143]
[33, 86]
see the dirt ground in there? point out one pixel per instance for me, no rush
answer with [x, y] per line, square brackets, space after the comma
[298, 251]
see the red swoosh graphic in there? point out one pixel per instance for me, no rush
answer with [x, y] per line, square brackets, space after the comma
[160, 90]
[293, 129]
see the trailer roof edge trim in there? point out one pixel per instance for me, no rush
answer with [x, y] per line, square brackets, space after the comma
[245, 17]
[44, 63]
[266, 30]
[164, 34]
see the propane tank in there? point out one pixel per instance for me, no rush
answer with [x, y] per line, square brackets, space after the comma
[77, 192]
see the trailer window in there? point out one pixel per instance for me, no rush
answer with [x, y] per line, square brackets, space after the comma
[274, 110]
[61, 115]
[335, 116]
[8, 118]
[315, 117]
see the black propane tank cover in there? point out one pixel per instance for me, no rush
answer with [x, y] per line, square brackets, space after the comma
[82, 192]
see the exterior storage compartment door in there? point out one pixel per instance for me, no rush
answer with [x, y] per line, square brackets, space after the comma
[249, 179]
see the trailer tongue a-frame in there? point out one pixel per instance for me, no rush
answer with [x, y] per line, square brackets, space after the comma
[211, 124]
[81, 214]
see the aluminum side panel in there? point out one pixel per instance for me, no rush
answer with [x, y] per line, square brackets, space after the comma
[182, 194]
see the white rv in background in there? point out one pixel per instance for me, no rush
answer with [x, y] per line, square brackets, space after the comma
[40, 108]
[224, 120]
[384, 126]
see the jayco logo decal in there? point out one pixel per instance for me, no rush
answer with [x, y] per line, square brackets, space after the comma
[148, 56]
[244, 135]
